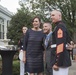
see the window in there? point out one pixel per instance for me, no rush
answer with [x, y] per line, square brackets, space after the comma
[1, 28]
[2, 31]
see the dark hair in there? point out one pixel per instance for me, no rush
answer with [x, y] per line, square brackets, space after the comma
[37, 18]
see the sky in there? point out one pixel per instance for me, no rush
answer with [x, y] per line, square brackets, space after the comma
[11, 5]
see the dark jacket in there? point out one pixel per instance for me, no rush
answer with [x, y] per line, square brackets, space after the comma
[48, 61]
[20, 43]
[60, 55]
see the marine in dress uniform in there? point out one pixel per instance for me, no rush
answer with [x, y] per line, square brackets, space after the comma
[60, 54]
[20, 44]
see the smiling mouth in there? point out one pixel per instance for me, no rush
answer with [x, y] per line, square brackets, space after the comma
[35, 25]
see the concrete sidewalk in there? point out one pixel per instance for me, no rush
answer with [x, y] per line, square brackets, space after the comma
[72, 70]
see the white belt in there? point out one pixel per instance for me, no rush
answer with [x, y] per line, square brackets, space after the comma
[54, 45]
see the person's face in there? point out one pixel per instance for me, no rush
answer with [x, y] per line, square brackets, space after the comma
[24, 29]
[47, 28]
[36, 23]
[55, 17]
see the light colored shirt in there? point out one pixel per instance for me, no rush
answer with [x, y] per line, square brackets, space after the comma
[47, 38]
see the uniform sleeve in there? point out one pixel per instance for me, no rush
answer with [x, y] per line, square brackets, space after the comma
[20, 43]
[61, 43]
[25, 42]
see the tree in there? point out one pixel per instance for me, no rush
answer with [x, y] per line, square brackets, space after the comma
[38, 7]
[20, 19]
[67, 7]
[42, 8]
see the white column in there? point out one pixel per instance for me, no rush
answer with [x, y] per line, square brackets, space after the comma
[5, 29]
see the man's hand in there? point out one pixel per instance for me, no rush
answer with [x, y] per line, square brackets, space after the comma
[55, 67]
[70, 46]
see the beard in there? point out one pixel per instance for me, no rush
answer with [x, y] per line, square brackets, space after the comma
[47, 32]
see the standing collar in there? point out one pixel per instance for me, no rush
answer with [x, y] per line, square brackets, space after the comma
[58, 22]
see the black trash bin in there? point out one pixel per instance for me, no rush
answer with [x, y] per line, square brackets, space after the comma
[7, 61]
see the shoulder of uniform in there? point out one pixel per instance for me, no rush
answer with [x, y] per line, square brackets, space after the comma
[61, 22]
[61, 25]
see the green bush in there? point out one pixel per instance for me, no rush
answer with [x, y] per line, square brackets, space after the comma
[16, 67]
